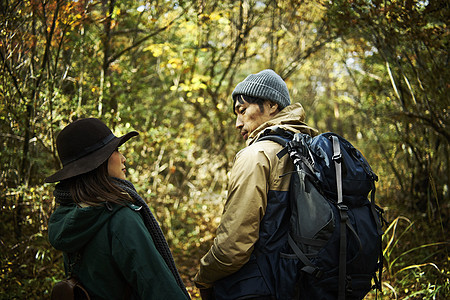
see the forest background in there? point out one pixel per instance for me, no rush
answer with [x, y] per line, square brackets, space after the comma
[375, 72]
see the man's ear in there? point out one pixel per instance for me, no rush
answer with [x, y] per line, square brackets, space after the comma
[273, 108]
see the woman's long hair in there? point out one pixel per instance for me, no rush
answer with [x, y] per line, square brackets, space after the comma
[95, 188]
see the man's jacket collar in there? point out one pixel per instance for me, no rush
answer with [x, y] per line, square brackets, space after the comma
[291, 118]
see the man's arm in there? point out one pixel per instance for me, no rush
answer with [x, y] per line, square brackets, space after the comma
[239, 227]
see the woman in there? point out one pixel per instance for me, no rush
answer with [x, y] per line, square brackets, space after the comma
[110, 239]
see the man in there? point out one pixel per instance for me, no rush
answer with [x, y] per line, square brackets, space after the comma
[244, 259]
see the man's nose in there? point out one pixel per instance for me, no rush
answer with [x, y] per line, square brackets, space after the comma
[239, 123]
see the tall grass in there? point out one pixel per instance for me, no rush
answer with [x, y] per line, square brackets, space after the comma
[413, 270]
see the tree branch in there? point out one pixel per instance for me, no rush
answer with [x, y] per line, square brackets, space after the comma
[140, 41]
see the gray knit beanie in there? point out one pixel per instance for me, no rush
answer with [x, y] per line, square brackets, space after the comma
[266, 85]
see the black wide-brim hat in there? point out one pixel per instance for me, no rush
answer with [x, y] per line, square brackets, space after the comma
[83, 146]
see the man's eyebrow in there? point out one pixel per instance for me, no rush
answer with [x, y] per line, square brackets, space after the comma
[237, 106]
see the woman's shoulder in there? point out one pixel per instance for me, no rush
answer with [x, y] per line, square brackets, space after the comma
[126, 209]
[127, 216]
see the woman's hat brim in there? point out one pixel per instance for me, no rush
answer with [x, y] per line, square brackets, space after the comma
[91, 161]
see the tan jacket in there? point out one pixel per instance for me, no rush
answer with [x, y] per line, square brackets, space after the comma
[255, 171]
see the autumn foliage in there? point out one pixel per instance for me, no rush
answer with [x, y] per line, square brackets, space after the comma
[375, 72]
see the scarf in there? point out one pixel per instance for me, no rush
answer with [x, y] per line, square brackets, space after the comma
[63, 197]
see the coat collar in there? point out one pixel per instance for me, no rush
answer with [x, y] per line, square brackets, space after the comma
[291, 118]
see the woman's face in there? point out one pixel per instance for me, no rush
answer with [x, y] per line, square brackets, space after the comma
[116, 165]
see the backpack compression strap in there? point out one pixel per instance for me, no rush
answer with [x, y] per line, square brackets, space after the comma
[337, 158]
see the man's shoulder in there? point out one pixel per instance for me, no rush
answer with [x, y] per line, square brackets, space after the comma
[265, 148]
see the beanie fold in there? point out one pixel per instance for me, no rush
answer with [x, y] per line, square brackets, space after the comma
[266, 85]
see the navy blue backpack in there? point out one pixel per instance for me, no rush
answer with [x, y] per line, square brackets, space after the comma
[335, 230]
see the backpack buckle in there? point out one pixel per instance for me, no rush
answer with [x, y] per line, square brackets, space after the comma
[348, 285]
[337, 158]
[342, 207]
[317, 273]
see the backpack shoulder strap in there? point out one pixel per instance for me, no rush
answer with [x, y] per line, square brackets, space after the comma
[277, 139]
[278, 135]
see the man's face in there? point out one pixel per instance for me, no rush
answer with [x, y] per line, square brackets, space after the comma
[249, 116]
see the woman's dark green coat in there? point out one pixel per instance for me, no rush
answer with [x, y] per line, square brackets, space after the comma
[117, 251]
